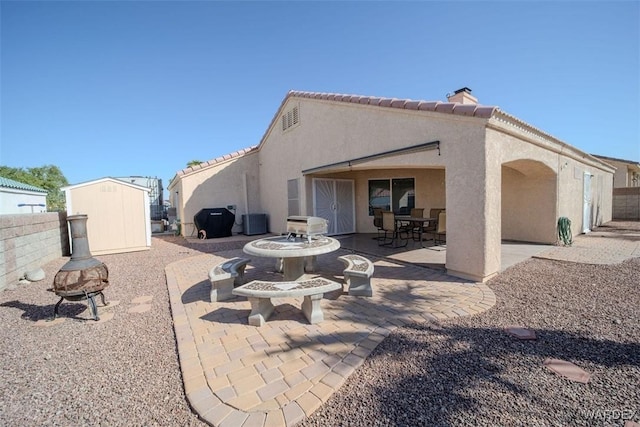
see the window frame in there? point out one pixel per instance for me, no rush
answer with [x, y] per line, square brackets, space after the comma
[398, 210]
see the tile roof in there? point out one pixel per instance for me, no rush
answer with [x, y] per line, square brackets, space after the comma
[455, 108]
[217, 160]
[631, 162]
[10, 183]
[474, 110]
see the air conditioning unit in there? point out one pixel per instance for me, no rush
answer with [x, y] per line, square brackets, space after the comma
[254, 224]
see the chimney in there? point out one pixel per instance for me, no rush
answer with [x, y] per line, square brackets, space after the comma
[462, 96]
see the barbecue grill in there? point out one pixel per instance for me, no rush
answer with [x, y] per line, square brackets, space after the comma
[310, 226]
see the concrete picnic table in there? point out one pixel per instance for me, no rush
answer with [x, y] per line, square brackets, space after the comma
[293, 251]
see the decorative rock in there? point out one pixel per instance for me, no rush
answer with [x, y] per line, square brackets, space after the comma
[23, 282]
[34, 275]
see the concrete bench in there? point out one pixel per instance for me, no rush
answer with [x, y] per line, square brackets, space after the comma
[357, 274]
[224, 276]
[259, 294]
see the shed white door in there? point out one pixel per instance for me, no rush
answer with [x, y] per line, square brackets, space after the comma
[333, 200]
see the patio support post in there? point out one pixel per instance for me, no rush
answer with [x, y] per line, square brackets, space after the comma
[473, 186]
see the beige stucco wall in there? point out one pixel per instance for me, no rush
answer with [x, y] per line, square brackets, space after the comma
[528, 205]
[230, 182]
[539, 160]
[118, 216]
[331, 132]
[473, 205]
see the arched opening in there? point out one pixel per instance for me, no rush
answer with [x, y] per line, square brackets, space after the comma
[528, 202]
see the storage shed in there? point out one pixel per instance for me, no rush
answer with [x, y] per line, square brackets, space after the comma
[119, 217]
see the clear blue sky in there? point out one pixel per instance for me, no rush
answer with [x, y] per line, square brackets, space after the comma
[141, 88]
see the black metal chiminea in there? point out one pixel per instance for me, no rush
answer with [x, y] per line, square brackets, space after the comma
[82, 277]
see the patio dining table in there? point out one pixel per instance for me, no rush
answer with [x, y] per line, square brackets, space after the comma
[412, 219]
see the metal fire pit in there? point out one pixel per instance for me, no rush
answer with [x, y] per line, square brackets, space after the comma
[83, 277]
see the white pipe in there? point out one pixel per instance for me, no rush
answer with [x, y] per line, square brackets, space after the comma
[246, 193]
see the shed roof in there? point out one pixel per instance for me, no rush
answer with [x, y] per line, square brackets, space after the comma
[16, 185]
[107, 179]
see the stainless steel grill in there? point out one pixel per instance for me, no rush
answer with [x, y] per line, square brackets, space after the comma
[309, 226]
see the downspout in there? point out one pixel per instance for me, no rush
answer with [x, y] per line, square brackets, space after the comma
[246, 193]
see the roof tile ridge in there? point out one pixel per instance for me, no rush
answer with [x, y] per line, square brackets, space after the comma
[445, 107]
[217, 160]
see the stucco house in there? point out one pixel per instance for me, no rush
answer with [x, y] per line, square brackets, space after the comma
[627, 172]
[18, 197]
[336, 156]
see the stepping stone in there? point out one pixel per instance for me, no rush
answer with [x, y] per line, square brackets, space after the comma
[142, 299]
[631, 424]
[521, 333]
[568, 370]
[140, 308]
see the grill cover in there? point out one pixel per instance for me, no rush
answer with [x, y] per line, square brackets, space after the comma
[216, 222]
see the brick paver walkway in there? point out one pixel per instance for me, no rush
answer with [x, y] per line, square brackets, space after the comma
[597, 248]
[278, 374]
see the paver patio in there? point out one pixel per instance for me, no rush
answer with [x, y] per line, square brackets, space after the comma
[277, 374]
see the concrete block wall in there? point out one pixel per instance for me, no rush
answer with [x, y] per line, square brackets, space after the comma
[626, 203]
[28, 241]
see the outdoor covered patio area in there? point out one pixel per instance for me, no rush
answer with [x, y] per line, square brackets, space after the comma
[433, 255]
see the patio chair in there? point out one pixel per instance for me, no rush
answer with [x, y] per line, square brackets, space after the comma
[442, 228]
[432, 226]
[391, 233]
[377, 220]
[414, 226]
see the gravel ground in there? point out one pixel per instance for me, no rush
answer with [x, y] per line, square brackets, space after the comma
[469, 372]
[466, 371]
[124, 371]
